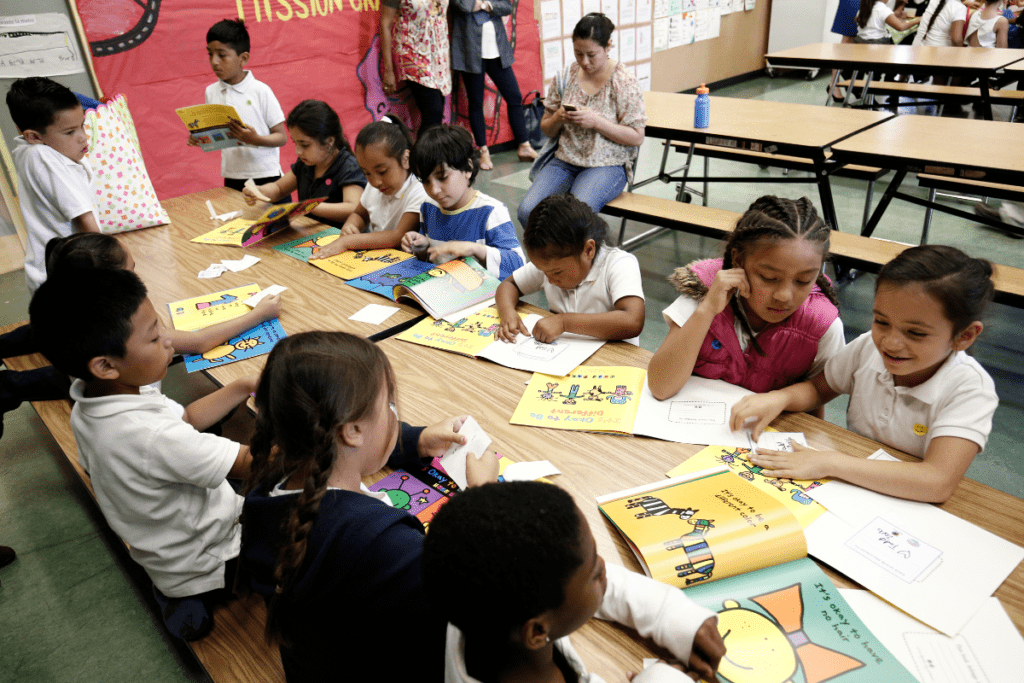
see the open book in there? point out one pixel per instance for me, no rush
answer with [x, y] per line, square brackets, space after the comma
[209, 309]
[242, 232]
[249, 344]
[208, 123]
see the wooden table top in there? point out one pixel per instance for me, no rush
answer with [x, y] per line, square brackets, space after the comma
[905, 58]
[735, 122]
[596, 464]
[315, 300]
[969, 148]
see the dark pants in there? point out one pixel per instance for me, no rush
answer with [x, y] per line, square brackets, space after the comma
[506, 83]
[43, 384]
[238, 184]
[430, 102]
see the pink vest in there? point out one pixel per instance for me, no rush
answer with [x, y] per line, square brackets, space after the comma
[789, 346]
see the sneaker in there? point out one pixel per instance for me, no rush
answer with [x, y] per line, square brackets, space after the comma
[186, 618]
[986, 211]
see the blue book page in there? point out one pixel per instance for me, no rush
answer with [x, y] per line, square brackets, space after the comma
[789, 624]
[384, 281]
[255, 342]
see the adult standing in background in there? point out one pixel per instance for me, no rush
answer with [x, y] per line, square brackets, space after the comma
[479, 46]
[414, 49]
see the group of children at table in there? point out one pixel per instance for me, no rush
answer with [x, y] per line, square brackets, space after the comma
[508, 570]
[973, 23]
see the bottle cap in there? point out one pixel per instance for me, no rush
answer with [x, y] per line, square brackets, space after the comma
[703, 90]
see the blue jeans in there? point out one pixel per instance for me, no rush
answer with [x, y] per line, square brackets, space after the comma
[594, 186]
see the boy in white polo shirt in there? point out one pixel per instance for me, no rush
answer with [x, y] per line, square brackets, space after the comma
[160, 482]
[593, 289]
[53, 174]
[262, 128]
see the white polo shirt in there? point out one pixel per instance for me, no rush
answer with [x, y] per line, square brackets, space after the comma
[613, 275]
[255, 103]
[161, 486]
[958, 400]
[876, 26]
[54, 190]
[386, 211]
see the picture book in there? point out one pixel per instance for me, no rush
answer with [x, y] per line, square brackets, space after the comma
[441, 289]
[209, 309]
[242, 232]
[468, 336]
[304, 247]
[559, 357]
[789, 624]
[255, 342]
[359, 262]
[616, 400]
[208, 124]
[793, 493]
[422, 494]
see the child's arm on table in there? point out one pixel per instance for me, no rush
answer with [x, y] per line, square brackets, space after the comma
[85, 223]
[207, 338]
[286, 184]
[340, 211]
[384, 239]
[795, 398]
[208, 410]
[625, 322]
[672, 364]
[459, 249]
[506, 299]
[277, 136]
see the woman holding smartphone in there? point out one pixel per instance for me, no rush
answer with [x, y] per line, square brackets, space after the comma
[597, 114]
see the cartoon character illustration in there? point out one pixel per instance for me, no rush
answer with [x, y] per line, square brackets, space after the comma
[700, 560]
[402, 499]
[746, 475]
[224, 299]
[801, 497]
[489, 331]
[449, 327]
[770, 647]
[594, 394]
[656, 507]
[219, 354]
[620, 396]
[316, 243]
[777, 483]
[549, 393]
[570, 399]
[730, 457]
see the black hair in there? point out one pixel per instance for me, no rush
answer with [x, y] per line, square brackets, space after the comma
[502, 554]
[84, 250]
[231, 32]
[772, 218]
[560, 225]
[34, 102]
[317, 120]
[931, 19]
[79, 315]
[390, 132]
[962, 284]
[444, 144]
[596, 27]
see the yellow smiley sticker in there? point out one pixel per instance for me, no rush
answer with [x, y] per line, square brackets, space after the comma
[920, 429]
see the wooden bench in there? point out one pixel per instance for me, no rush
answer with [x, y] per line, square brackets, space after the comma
[864, 253]
[976, 188]
[937, 93]
[235, 650]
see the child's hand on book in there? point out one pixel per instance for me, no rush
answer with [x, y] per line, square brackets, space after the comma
[707, 650]
[763, 407]
[547, 330]
[458, 249]
[435, 439]
[511, 326]
[333, 249]
[803, 463]
[243, 133]
[268, 308]
[193, 141]
[414, 241]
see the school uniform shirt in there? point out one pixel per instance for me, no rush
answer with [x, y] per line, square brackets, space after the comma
[613, 275]
[54, 191]
[958, 400]
[655, 610]
[161, 485]
[829, 345]
[939, 24]
[387, 211]
[484, 220]
[985, 28]
[875, 28]
[256, 104]
[344, 170]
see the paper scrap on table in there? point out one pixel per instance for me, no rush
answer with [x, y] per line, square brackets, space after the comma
[454, 460]
[468, 311]
[781, 441]
[259, 195]
[529, 471]
[214, 216]
[215, 270]
[253, 300]
[374, 314]
[241, 264]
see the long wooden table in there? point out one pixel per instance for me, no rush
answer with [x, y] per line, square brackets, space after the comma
[917, 60]
[796, 130]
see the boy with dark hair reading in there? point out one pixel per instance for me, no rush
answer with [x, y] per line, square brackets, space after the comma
[262, 127]
[519, 570]
[160, 482]
[53, 172]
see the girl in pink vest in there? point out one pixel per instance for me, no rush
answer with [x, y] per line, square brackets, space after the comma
[762, 317]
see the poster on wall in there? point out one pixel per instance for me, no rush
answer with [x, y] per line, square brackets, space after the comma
[38, 45]
[155, 54]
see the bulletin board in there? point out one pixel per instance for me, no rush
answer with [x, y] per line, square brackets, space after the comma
[670, 45]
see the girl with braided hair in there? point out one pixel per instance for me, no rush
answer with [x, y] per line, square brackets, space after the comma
[762, 317]
[338, 566]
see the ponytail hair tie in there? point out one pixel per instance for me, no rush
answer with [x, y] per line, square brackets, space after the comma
[387, 119]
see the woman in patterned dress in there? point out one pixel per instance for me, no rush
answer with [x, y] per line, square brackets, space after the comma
[414, 48]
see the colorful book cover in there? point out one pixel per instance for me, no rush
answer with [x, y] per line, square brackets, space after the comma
[703, 527]
[408, 492]
[789, 624]
[790, 492]
[209, 125]
[209, 309]
[450, 287]
[592, 398]
[304, 247]
[385, 280]
[468, 336]
[242, 232]
[255, 342]
[359, 262]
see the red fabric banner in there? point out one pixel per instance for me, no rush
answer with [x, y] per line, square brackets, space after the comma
[154, 52]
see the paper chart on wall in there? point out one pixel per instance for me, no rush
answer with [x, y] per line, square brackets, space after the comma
[644, 11]
[715, 15]
[38, 45]
[675, 7]
[737, 5]
[698, 4]
[643, 43]
[591, 6]
[627, 45]
[660, 34]
[611, 10]
[660, 9]
[725, 6]
[749, 5]
[613, 49]
[643, 76]
[570, 16]
[552, 58]
[567, 50]
[675, 31]
[551, 19]
[627, 12]
[701, 25]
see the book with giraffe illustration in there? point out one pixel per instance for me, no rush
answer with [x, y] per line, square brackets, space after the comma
[209, 309]
[251, 343]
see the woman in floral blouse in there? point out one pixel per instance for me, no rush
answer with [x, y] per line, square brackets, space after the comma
[414, 48]
[598, 116]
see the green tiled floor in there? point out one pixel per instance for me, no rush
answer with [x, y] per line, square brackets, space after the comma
[73, 608]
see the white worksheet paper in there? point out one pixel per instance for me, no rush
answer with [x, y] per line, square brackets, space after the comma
[374, 314]
[454, 459]
[698, 414]
[987, 650]
[560, 358]
[919, 557]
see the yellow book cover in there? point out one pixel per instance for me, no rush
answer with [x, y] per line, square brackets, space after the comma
[591, 399]
[209, 309]
[357, 263]
[468, 336]
[704, 526]
[230, 233]
[790, 492]
[241, 232]
[209, 125]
